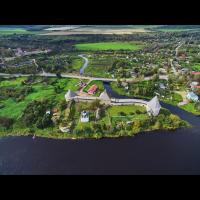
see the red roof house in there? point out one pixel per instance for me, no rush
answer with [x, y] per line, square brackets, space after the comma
[195, 73]
[92, 89]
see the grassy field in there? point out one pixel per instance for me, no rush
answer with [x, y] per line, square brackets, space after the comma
[14, 109]
[99, 66]
[196, 67]
[127, 109]
[127, 113]
[109, 46]
[77, 64]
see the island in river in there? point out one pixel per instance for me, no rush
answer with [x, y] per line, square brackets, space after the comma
[62, 108]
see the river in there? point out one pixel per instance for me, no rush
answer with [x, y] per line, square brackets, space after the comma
[84, 65]
[158, 152]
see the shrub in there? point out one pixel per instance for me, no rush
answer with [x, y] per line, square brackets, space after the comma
[138, 112]
[197, 106]
[122, 113]
[6, 122]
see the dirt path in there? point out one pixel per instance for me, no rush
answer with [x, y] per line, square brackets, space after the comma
[183, 94]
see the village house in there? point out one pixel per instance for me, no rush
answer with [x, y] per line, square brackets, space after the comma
[124, 84]
[162, 71]
[195, 73]
[92, 89]
[162, 86]
[184, 70]
[192, 96]
[194, 84]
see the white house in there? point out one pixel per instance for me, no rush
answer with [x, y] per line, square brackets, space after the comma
[153, 106]
[84, 116]
[193, 84]
[192, 96]
[162, 86]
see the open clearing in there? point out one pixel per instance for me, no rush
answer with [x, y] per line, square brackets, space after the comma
[109, 46]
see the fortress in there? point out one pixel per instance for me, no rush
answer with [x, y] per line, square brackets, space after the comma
[153, 107]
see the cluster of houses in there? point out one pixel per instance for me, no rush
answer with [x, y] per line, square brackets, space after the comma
[19, 52]
[194, 85]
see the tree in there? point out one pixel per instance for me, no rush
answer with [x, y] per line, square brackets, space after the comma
[6, 122]
[63, 105]
[46, 121]
[137, 126]
[95, 104]
[39, 123]
[96, 127]
[197, 106]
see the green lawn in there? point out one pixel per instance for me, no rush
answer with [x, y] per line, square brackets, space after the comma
[109, 46]
[127, 109]
[12, 82]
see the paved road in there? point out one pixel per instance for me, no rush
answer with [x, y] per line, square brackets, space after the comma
[84, 65]
[46, 74]
[177, 48]
[63, 75]
[176, 55]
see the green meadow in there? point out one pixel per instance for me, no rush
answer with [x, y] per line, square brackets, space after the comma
[109, 46]
[14, 109]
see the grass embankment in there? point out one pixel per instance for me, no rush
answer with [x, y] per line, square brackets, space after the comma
[109, 46]
[190, 107]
